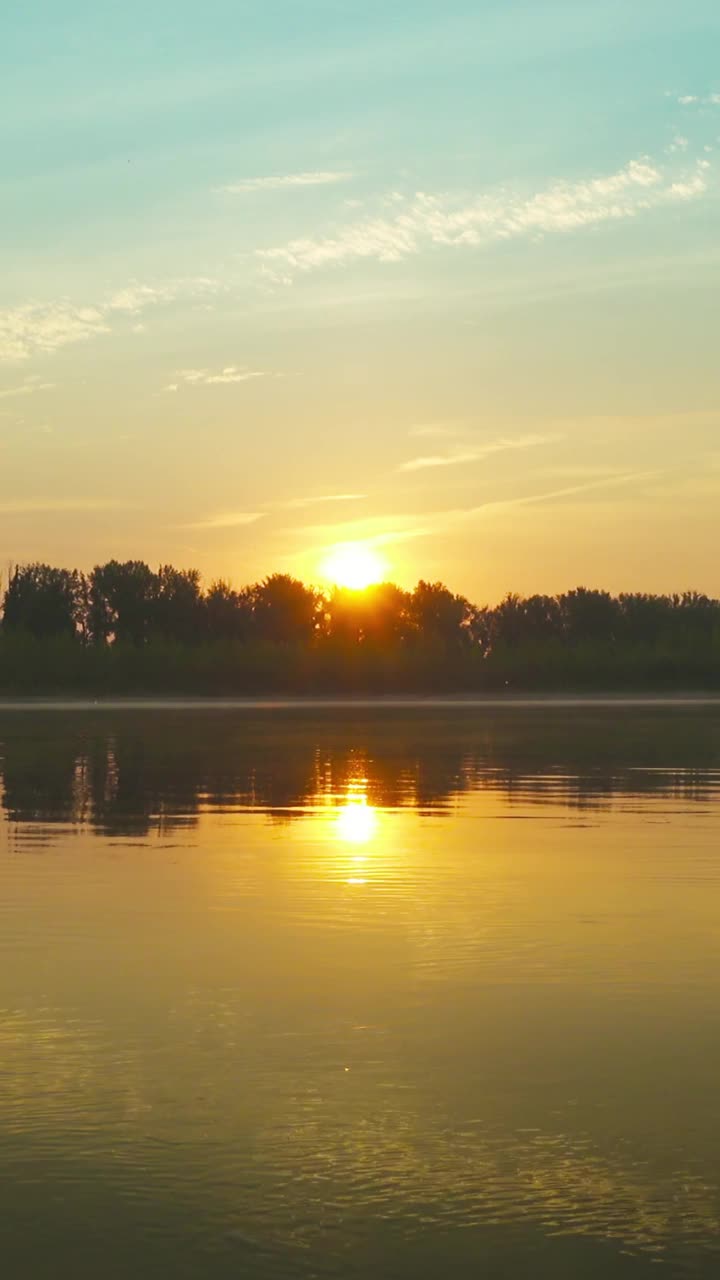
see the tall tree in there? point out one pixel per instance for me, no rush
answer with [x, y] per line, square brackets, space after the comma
[227, 614]
[438, 614]
[284, 609]
[45, 601]
[122, 597]
[177, 604]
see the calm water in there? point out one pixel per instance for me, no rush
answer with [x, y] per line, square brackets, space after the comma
[365, 993]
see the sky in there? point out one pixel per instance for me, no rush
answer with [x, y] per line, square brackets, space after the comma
[438, 279]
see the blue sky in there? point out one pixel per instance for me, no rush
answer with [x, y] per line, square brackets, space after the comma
[459, 261]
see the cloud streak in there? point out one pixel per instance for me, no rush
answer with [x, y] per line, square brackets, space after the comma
[284, 182]
[425, 220]
[552, 495]
[207, 378]
[226, 520]
[381, 530]
[297, 504]
[476, 454]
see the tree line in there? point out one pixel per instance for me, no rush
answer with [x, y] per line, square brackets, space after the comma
[282, 633]
[131, 604]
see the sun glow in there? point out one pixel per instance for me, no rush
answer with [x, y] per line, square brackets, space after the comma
[354, 565]
[356, 821]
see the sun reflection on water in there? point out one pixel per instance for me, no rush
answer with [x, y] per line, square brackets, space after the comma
[356, 823]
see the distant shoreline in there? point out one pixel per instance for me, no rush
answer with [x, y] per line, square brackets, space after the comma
[398, 702]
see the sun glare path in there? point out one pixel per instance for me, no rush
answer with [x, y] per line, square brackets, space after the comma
[354, 565]
[356, 821]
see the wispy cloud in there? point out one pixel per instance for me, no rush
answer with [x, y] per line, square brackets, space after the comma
[284, 182]
[553, 495]
[226, 520]
[137, 297]
[47, 326]
[370, 531]
[44, 327]
[207, 378]
[296, 504]
[478, 453]
[384, 530]
[427, 220]
[701, 100]
[692, 186]
[26, 388]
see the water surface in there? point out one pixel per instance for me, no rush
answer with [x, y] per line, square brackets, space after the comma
[401, 992]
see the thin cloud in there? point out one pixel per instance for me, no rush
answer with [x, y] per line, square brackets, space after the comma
[284, 182]
[370, 530]
[568, 492]
[425, 220]
[45, 327]
[477, 454]
[386, 537]
[297, 504]
[695, 99]
[693, 186]
[207, 378]
[26, 388]
[384, 530]
[136, 297]
[226, 520]
[39, 327]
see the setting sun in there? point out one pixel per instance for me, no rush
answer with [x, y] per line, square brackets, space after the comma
[354, 565]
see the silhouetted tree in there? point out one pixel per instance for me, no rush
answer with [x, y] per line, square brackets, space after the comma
[228, 614]
[696, 613]
[284, 609]
[438, 614]
[643, 619]
[588, 615]
[45, 601]
[378, 615]
[121, 602]
[519, 620]
[177, 604]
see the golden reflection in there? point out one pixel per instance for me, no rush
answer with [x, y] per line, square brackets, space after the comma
[356, 822]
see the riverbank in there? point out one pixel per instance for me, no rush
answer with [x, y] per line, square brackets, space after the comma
[387, 702]
[65, 668]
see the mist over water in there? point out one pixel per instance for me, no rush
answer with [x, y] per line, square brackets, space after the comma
[325, 992]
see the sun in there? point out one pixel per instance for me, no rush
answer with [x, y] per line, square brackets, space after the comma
[354, 565]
